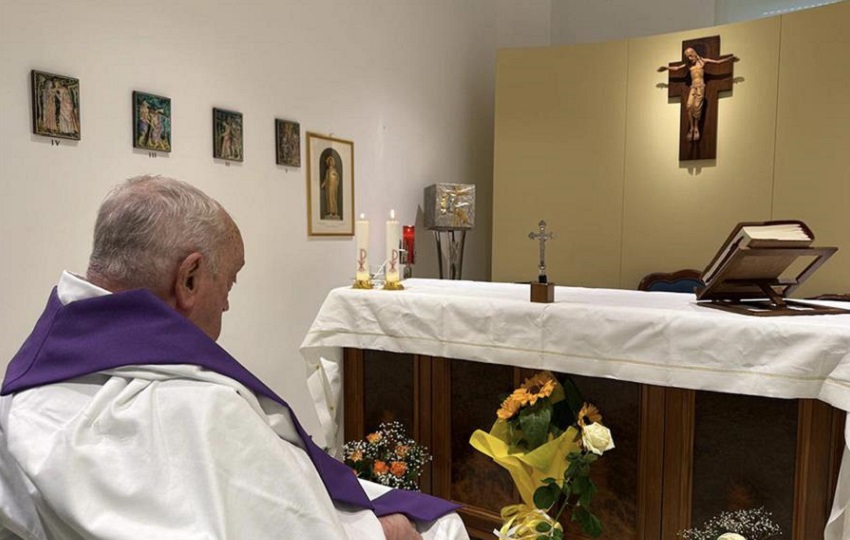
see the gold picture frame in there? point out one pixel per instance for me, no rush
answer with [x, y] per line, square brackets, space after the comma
[330, 186]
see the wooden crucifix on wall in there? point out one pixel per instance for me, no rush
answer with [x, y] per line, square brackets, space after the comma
[697, 80]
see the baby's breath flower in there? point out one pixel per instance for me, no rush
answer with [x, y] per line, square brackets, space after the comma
[752, 524]
[388, 457]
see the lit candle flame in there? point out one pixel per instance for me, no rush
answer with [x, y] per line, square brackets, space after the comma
[362, 216]
[392, 214]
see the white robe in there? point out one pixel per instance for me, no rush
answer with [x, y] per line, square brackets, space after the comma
[165, 452]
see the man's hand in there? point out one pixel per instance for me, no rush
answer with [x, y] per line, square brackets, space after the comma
[398, 527]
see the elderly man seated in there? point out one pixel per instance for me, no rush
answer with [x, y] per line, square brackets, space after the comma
[121, 418]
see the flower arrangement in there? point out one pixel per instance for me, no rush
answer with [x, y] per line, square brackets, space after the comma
[547, 439]
[750, 524]
[387, 457]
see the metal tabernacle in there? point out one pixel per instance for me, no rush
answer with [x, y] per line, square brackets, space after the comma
[450, 212]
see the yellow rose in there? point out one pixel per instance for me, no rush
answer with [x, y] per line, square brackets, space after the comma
[596, 438]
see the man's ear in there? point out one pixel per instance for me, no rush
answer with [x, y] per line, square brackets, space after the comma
[186, 285]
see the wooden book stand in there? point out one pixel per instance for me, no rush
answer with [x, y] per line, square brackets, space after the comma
[749, 282]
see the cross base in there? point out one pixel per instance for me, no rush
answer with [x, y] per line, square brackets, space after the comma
[543, 293]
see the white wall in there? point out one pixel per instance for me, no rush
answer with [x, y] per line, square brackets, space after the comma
[523, 23]
[589, 21]
[743, 10]
[411, 83]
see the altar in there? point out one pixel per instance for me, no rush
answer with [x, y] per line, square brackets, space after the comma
[662, 351]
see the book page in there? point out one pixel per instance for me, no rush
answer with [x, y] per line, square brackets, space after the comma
[782, 231]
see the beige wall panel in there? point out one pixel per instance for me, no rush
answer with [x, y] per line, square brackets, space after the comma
[559, 149]
[676, 214]
[813, 137]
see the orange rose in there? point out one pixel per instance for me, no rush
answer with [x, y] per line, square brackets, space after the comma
[356, 456]
[398, 468]
[401, 450]
[374, 438]
[380, 467]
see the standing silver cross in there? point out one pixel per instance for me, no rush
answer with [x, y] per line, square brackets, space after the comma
[542, 236]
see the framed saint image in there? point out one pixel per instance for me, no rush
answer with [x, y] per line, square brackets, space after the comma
[55, 105]
[330, 186]
[287, 142]
[151, 122]
[227, 135]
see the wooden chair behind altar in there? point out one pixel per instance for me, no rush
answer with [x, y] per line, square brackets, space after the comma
[683, 281]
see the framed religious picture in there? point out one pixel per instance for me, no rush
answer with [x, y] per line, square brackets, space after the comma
[330, 186]
[227, 135]
[55, 105]
[287, 142]
[151, 122]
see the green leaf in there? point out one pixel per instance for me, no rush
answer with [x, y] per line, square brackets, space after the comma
[590, 524]
[543, 527]
[574, 468]
[558, 534]
[549, 480]
[562, 415]
[545, 496]
[587, 496]
[580, 514]
[574, 399]
[534, 422]
[580, 485]
[593, 526]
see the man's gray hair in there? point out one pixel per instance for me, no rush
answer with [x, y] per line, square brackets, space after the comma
[148, 225]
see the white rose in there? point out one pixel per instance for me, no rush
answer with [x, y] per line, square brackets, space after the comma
[730, 536]
[597, 438]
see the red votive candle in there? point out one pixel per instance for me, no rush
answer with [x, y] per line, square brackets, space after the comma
[408, 235]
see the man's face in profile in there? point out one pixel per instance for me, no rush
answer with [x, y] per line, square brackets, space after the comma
[214, 289]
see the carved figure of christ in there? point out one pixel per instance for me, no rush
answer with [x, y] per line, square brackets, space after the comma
[696, 81]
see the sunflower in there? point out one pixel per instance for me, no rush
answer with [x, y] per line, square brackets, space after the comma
[509, 408]
[538, 387]
[588, 414]
[521, 396]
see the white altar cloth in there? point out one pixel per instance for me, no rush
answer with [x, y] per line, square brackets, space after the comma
[656, 338]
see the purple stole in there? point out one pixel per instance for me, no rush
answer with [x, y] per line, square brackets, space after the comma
[137, 328]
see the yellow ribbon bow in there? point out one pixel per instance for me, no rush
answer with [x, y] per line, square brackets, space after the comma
[521, 521]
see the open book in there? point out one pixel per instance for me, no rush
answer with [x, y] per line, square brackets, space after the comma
[759, 265]
[773, 234]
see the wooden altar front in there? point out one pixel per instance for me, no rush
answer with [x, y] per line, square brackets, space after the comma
[681, 456]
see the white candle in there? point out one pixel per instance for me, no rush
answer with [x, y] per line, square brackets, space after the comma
[393, 239]
[361, 234]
